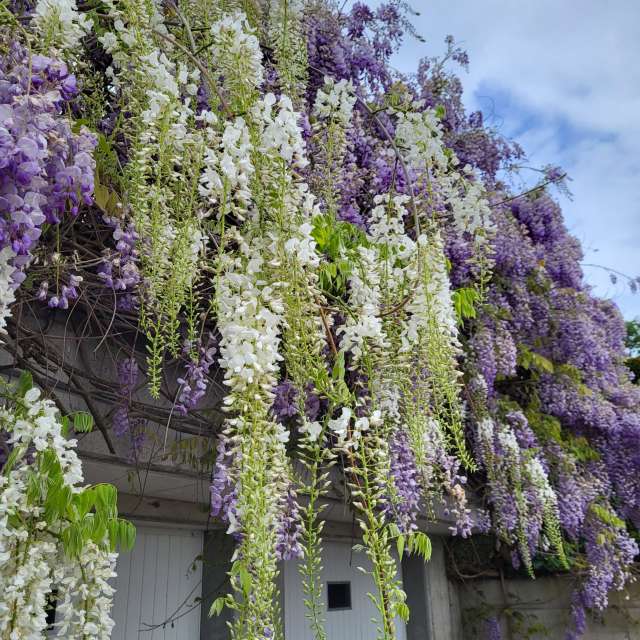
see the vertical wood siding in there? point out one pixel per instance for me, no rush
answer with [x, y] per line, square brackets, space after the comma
[340, 564]
[159, 579]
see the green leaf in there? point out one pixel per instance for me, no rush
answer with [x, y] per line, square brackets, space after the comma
[25, 383]
[64, 426]
[338, 367]
[59, 497]
[402, 610]
[14, 456]
[217, 607]
[400, 546]
[106, 500]
[607, 516]
[84, 501]
[82, 422]
[464, 301]
[420, 543]
[245, 580]
[531, 360]
[127, 534]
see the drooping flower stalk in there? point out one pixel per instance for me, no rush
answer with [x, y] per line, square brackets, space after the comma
[53, 531]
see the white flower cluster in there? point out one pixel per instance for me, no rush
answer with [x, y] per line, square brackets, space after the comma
[313, 429]
[281, 133]
[431, 305]
[156, 78]
[387, 228]
[471, 211]
[335, 101]
[228, 170]
[249, 321]
[485, 430]
[364, 324]
[236, 52]
[25, 579]
[349, 435]
[7, 292]
[419, 135]
[509, 443]
[40, 428]
[32, 560]
[303, 247]
[131, 38]
[61, 21]
[89, 582]
[540, 480]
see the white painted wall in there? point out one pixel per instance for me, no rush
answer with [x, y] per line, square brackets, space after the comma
[159, 579]
[340, 564]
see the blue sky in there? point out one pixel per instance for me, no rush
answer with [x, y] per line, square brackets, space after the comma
[563, 79]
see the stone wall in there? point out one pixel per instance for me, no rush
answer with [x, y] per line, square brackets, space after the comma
[539, 609]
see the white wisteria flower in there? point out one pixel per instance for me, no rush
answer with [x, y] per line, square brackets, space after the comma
[335, 101]
[7, 292]
[62, 24]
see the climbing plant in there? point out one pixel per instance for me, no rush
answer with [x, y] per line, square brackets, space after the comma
[244, 201]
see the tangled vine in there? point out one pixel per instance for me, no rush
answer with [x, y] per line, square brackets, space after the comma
[302, 263]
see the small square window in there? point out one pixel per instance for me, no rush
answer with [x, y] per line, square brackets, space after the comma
[338, 596]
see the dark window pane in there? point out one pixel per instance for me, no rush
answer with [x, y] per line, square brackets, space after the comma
[338, 595]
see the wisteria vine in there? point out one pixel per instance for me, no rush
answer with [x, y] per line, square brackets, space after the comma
[337, 246]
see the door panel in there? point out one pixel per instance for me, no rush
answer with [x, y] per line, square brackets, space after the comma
[159, 581]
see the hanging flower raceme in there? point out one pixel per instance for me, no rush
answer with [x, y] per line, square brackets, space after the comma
[54, 533]
[46, 170]
[345, 241]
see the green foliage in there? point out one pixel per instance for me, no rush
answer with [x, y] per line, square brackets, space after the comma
[606, 515]
[465, 300]
[632, 340]
[337, 241]
[632, 343]
[82, 422]
[531, 360]
[88, 514]
[549, 429]
[419, 543]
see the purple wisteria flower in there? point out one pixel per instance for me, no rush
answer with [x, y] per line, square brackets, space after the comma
[403, 505]
[285, 402]
[124, 425]
[223, 489]
[46, 170]
[289, 532]
[492, 629]
[194, 383]
[119, 269]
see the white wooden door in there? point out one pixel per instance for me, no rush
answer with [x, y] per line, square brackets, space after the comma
[157, 586]
[340, 565]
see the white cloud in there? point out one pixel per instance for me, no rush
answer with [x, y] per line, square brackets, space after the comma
[575, 67]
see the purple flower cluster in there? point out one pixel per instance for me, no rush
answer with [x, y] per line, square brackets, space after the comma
[610, 551]
[63, 293]
[119, 269]
[492, 629]
[223, 491]
[289, 533]
[537, 301]
[46, 169]
[285, 402]
[403, 505]
[124, 425]
[193, 385]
